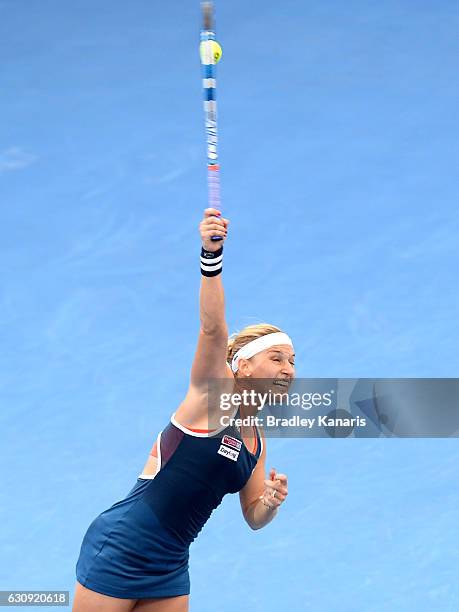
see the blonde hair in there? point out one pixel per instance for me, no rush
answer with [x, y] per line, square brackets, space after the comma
[239, 339]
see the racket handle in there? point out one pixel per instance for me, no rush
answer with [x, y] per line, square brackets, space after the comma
[210, 108]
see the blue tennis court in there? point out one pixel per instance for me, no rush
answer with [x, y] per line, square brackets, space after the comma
[338, 130]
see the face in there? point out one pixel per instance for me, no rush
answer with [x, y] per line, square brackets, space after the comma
[276, 363]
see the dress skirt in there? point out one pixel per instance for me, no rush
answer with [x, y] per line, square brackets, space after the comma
[127, 553]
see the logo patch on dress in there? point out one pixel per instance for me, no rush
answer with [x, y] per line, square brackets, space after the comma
[233, 442]
[229, 453]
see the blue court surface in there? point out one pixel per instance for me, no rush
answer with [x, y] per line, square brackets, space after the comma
[338, 142]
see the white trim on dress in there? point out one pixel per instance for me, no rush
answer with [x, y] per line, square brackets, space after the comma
[196, 434]
[158, 464]
[261, 441]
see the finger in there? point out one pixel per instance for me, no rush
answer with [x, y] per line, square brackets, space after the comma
[212, 212]
[212, 219]
[269, 501]
[275, 494]
[210, 226]
[282, 478]
[276, 484]
[272, 495]
[214, 229]
[213, 223]
[280, 492]
[211, 232]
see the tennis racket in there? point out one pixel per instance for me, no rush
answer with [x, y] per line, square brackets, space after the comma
[209, 84]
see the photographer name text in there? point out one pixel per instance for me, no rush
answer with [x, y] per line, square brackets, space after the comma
[294, 421]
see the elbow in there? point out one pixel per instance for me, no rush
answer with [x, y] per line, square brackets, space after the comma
[248, 517]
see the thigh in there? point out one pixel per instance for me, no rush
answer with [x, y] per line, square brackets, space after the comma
[163, 604]
[86, 600]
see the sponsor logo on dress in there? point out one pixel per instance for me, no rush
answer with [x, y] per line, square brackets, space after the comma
[229, 453]
[233, 442]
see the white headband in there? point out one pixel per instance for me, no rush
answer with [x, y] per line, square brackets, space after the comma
[258, 345]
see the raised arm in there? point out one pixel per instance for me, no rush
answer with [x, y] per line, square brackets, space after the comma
[210, 357]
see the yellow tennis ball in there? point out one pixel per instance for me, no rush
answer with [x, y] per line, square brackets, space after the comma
[210, 49]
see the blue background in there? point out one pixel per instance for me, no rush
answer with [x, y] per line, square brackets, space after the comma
[338, 144]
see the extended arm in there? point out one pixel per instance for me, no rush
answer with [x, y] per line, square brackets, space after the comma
[210, 358]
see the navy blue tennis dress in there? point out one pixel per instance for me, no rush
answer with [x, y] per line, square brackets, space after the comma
[139, 547]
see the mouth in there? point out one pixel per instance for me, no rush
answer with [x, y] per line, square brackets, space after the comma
[281, 382]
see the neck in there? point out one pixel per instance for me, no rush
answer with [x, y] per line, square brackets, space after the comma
[252, 400]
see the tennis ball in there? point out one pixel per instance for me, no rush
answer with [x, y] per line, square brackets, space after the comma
[210, 49]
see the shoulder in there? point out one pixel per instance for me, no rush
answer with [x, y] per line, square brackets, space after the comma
[194, 411]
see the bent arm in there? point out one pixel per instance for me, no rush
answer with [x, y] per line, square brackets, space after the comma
[255, 513]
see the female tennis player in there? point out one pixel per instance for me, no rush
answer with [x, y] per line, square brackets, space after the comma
[134, 555]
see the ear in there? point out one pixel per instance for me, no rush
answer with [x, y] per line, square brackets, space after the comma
[245, 367]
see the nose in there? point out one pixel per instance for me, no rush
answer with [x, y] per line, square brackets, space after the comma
[288, 369]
